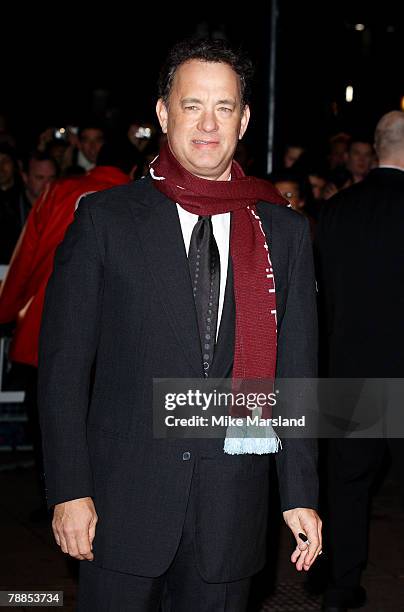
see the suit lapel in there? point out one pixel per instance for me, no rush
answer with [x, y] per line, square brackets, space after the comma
[159, 232]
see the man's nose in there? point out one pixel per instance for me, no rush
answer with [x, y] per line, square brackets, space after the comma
[207, 122]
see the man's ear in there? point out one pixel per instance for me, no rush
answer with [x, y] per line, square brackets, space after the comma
[162, 114]
[245, 118]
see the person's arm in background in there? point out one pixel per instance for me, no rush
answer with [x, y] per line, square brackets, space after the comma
[68, 344]
[13, 291]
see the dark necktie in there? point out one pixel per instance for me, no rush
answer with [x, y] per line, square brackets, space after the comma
[204, 266]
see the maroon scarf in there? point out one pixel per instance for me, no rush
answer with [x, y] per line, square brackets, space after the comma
[254, 283]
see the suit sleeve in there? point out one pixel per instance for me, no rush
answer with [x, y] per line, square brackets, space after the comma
[297, 358]
[67, 348]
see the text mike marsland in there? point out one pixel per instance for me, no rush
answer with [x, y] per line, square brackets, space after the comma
[229, 421]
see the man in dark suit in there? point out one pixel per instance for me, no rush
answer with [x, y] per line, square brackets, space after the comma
[360, 250]
[176, 520]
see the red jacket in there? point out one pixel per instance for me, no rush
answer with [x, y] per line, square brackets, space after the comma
[22, 293]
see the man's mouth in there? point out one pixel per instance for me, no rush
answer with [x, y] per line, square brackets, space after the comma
[205, 142]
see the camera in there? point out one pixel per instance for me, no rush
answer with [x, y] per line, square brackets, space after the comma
[60, 133]
[63, 132]
[143, 132]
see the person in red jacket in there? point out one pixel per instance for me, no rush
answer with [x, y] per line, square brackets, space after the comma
[23, 290]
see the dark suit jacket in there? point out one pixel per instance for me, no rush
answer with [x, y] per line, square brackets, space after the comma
[360, 257]
[120, 304]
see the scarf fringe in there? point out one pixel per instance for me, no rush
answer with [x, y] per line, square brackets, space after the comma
[154, 175]
[251, 440]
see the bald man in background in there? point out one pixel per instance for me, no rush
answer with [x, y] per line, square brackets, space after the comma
[360, 256]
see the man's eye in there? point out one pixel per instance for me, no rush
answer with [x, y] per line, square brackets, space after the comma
[192, 108]
[225, 109]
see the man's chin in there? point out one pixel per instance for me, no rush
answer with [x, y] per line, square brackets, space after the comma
[210, 174]
[206, 168]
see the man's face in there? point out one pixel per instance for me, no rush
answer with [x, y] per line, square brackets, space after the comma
[39, 175]
[317, 186]
[57, 151]
[338, 154]
[204, 119]
[90, 143]
[6, 171]
[291, 156]
[290, 190]
[360, 158]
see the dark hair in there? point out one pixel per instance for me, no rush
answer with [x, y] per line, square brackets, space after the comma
[39, 156]
[340, 175]
[362, 138]
[295, 144]
[285, 175]
[309, 165]
[205, 50]
[119, 153]
[7, 149]
[90, 125]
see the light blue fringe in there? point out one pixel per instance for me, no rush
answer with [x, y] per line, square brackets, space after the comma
[250, 439]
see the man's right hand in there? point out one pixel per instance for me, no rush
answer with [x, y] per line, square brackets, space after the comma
[74, 527]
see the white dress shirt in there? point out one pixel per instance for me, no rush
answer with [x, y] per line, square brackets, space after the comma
[221, 232]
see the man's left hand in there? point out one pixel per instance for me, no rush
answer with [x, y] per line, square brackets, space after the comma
[306, 521]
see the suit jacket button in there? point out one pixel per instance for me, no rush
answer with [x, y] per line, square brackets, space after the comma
[186, 456]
